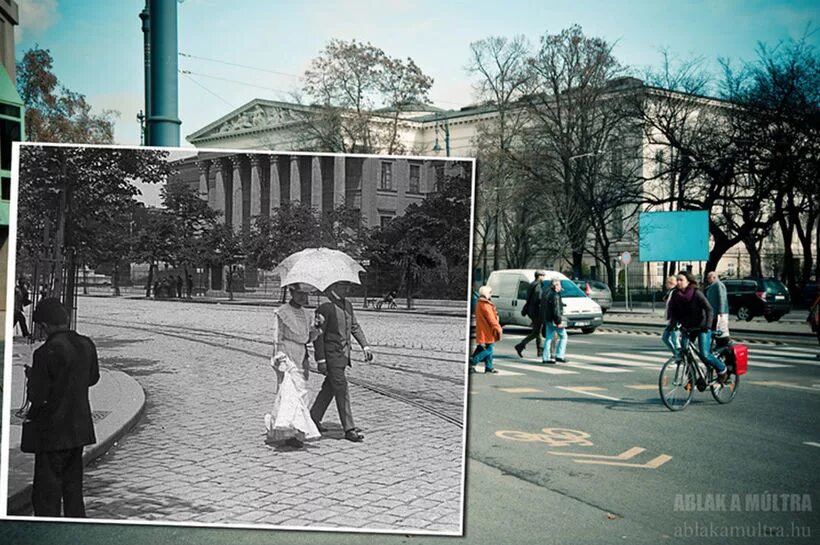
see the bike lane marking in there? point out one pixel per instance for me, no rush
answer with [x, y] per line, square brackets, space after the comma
[583, 390]
[812, 444]
[642, 386]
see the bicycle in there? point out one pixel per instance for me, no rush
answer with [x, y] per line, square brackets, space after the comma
[391, 304]
[679, 378]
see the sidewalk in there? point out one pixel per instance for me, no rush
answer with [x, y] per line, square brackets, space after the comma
[117, 401]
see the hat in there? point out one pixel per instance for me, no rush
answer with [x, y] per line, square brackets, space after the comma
[540, 272]
[50, 311]
[485, 291]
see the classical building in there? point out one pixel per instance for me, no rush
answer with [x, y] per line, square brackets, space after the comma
[425, 130]
[242, 186]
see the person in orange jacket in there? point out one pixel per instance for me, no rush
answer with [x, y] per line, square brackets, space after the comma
[487, 330]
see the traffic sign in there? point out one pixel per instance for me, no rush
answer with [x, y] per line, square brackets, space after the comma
[626, 257]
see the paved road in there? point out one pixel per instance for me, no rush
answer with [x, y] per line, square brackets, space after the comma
[757, 448]
[199, 454]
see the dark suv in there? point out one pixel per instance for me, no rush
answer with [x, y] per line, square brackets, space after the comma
[750, 297]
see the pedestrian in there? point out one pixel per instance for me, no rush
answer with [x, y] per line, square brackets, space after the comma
[21, 300]
[670, 336]
[690, 308]
[717, 297]
[179, 287]
[487, 330]
[293, 327]
[532, 309]
[58, 424]
[189, 284]
[332, 351]
[553, 319]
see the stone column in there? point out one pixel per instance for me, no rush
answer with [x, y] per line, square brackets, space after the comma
[256, 186]
[339, 189]
[204, 168]
[295, 180]
[316, 184]
[371, 172]
[216, 198]
[236, 217]
[275, 188]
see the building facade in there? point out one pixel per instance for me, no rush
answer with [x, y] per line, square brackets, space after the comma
[241, 186]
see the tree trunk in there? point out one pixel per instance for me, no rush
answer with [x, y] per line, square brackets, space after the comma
[755, 261]
[788, 276]
[804, 235]
[150, 283]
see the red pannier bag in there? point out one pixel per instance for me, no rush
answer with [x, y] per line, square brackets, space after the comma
[740, 355]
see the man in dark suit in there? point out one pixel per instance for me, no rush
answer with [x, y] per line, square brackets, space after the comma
[332, 350]
[58, 424]
[532, 309]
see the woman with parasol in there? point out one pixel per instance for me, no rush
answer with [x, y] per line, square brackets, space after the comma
[294, 327]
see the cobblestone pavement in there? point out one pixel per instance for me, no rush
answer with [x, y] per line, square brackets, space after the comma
[199, 455]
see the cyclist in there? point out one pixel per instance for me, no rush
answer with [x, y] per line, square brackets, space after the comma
[689, 308]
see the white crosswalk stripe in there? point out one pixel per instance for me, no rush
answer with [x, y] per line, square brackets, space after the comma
[546, 369]
[615, 360]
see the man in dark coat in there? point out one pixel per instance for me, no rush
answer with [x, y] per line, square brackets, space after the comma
[58, 424]
[533, 311]
[332, 351]
[553, 318]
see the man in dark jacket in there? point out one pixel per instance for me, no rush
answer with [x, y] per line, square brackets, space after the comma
[59, 423]
[553, 319]
[332, 351]
[533, 311]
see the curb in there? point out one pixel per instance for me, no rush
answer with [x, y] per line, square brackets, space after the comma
[19, 501]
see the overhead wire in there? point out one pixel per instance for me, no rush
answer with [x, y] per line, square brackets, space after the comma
[206, 89]
[248, 67]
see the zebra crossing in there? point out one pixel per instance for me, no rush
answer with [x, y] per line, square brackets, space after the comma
[649, 360]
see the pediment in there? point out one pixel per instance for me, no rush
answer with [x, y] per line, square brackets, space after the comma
[254, 116]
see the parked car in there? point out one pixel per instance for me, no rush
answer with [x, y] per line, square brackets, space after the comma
[510, 294]
[597, 291]
[751, 297]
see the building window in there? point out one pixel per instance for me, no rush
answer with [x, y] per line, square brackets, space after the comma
[617, 224]
[415, 179]
[5, 189]
[387, 177]
[384, 220]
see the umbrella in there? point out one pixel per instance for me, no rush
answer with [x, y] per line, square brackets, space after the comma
[319, 267]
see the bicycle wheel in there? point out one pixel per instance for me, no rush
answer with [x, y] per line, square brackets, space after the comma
[726, 392]
[676, 384]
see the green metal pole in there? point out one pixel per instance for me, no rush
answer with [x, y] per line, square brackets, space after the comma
[146, 55]
[163, 119]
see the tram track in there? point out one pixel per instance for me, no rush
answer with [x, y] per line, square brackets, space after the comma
[450, 412]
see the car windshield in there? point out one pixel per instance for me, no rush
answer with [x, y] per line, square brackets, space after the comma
[774, 286]
[569, 289]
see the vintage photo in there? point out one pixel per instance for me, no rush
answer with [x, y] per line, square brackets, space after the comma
[242, 339]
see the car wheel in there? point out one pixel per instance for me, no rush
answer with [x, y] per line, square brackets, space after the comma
[587, 330]
[743, 313]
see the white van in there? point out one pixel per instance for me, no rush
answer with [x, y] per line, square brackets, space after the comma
[510, 294]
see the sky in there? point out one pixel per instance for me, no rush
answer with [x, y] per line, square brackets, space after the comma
[97, 46]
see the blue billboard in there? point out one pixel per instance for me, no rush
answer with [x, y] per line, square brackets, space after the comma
[674, 236]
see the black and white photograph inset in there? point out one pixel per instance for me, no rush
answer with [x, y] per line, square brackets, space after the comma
[238, 338]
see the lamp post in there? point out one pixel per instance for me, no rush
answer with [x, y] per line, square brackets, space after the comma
[446, 126]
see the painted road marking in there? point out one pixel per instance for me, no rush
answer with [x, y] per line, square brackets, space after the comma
[547, 369]
[580, 391]
[752, 363]
[642, 386]
[618, 362]
[654, 463]
[554, 437]
[501, 372]
[639, 357]
[521, 390]
[781, 384]
[625, 455]
[812, 444]
[598, 368]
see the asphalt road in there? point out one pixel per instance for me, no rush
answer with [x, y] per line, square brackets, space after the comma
[737, 473]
